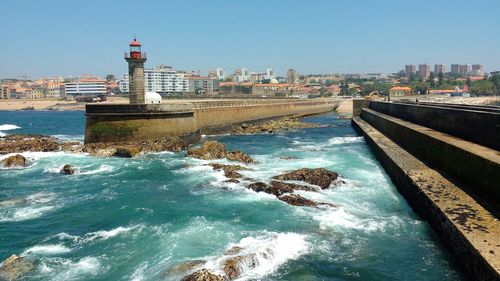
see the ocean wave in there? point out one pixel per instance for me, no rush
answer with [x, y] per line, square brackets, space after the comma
[47, 250]
[7, 127]
[343, 140]
[262, 254]
[67, 269]
[25, 213]
[99, 235]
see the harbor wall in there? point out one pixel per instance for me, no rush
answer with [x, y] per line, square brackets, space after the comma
[127, 122]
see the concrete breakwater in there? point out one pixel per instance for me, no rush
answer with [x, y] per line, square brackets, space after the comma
[127, 122]
[447, 178]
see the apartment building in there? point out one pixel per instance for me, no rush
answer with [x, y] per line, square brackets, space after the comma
[163, 80]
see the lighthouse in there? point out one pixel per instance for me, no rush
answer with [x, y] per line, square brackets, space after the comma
[136, 59]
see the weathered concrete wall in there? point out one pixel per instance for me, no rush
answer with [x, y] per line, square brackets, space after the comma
[114, 123]
[216, 117]
[473, 165]
[358, 105]
[470, 231]
[476, 126]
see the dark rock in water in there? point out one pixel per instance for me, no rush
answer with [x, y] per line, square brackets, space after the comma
[297, 200]
[233, 175]
[320, 177]
[203, 275]
[232, 180]
[208, 150]
[127, 151]
[233, 266]
[227, 168]
[273, 126]
[14, 161]
[278, 188]
[239, 156]
[68, 169]
[14, 267]
[186, 266]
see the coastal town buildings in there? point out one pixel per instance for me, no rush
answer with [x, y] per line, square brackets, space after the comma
[440, 68]
[465, 69]
[455, 68]
[219, 74]
[477, 70]
[424, 71]
[241, 75]
[163, 79]
[410, 70]
[200, 84]
[86, 86]
[292, 76]
[4, 92]
[398, 91]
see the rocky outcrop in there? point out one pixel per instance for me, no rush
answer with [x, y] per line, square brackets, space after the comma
[297, 200]
[320, 177]
[210, 150]
[239, 156]
[188, 266]
[20, 143]
[233, 266]
[273, 126]
[132, 149]
[14, 267]
[68, 169]
[203, 275]
[14, 161]
[278, 188]
[230, 171]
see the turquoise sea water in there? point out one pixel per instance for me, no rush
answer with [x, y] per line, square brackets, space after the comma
[134, 219]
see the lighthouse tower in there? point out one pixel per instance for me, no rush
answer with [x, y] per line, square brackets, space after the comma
[136, 59]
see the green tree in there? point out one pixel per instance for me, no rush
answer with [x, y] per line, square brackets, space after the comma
[495, 79]
[440, 78]
[483, 87]
[344, 88]
[110, 77]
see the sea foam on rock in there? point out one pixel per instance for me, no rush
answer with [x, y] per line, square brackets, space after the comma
[320, 176]
[21, 143]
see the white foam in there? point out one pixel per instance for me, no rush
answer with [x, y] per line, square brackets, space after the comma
[76, 270]
[101, 169]
[26, 213]
[270, 251]
[47, 250]
[343, 140]
[99, 235]
[7, 127]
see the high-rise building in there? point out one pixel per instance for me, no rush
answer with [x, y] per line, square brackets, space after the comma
[270, 74]
[86, 87]
[292, 76]
[410, 70]
[200, 84]
[164, 80]
[439, 68]
[424, 71]
[465, 69]
[219, 74]
[241, 75]
[477, 70]
[455, 68]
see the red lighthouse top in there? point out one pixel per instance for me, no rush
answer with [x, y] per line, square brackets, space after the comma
[135, 43]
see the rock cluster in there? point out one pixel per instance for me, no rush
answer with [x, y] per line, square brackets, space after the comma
[20, 143]
[320, 177]
[14, 267]
[210, 150]
[284, 190]
[230, 171]
[273, 126]
[14, 161]
[203, 275]
[132, 149]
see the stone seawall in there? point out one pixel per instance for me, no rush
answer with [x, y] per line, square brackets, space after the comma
[125, 122]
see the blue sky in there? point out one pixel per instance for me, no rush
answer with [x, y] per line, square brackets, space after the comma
[51, 37]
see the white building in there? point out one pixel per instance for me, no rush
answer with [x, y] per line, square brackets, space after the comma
[201, 84]
[85, 87]
[241, 75]
[163, 80]
[270, 74]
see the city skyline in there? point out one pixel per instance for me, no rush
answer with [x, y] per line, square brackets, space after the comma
[320, 37]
